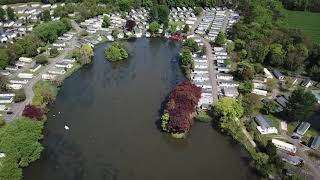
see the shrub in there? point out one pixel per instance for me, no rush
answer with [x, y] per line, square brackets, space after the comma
[42, 59]
[20, 96]
[32, 112]
[54, 52]
[116, 52]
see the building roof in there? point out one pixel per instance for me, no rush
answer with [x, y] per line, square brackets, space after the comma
[281, 100]
[277, 73]
[264, 122]
[315, 143]
[303, 128]
[306, 81]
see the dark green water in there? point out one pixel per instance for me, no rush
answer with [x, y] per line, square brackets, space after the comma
[111, 110]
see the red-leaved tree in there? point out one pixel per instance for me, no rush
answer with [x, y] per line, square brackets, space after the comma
[130, 24]
[32, 112]
[182, 104]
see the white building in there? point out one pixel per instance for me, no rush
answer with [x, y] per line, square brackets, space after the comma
[284, 146]
[265, 126]
[25, 75]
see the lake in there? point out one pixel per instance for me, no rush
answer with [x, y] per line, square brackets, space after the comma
[112, 109]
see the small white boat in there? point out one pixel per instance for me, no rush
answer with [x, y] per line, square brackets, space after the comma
[66, 127]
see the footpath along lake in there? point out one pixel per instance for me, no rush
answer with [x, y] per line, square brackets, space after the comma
[112, 108]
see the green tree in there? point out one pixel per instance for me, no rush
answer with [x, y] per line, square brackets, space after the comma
[86, 54]
[300, 104]
[271, 84]
[186, 28]
[41, 59]
[2, 15]
[251, 104]
[54, 52]
[10, 14]
[20, 142]
[147, 3]
[4, 59]
[116, 52]
[154, 27]
[125, 5]
[270, 107]
[44, 93]
[245, 71]
[246, 87]
[163, 13]
[276, 55]
[198, 11]
[164, 121]
[45, 15]
[187, 63]
[228, 107]
[106, 22]
[3, 83]
[191, 44]
[221, 39]
[20, 95]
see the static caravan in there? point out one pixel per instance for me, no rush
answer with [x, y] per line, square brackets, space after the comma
[284, 146]
[25, 75]
[5, 100]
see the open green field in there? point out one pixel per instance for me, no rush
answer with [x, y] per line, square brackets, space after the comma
[308, 22]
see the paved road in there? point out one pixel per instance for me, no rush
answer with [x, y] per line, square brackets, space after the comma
[18, 107]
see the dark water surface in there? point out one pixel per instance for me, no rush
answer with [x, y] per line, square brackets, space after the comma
[111, 110]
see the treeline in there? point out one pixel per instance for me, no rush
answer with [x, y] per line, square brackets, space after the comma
[3, 2]
[262, 38]
[302, 5]
[28, 46]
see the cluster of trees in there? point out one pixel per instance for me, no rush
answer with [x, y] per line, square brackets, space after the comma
[154, 27]
[262, 38]
[187, 63]
[116, 52]
[181, 108]
[300, 104]
[50, 31]
[7, 14]
[20, 143]
[160, 14]
[44, 93]
[302, 5]
[20, 95]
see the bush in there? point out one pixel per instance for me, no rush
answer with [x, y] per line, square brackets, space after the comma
[203, 117]
[198, 11]
[42, 59]
[32, 112]
[20, 96]
[44, 93]
[116, 52]
[54, 52]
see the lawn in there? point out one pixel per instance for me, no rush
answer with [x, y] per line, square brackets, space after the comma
[308, 22]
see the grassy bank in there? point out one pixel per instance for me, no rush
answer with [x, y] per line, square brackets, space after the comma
[308, 22]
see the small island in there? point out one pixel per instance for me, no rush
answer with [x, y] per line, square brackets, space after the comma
[180, 109]
[116, 52]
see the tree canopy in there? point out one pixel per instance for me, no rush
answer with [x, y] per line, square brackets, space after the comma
[116, 52]
[20, 142]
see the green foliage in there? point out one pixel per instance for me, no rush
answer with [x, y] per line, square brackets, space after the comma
[3, 83]
[106, 22]
[246, 87]
[10, 14]
[228, 107]
[300, 104]
[45, 15]
[42, 59]
[44, 93]
[2, 15]
[186, 28]
[160, 13]
[245, 71]
[164, 121]
[251, 104]
[191, 44]
[20, 142]
[116, 52]
[154, 27]
[2, 122]
[20, 95]
[4, 59]
[203, 116]
[49, 32]
[54, 52]
[86, 54]
[270, 107]
[276, 55]
[187, 63]
[198, 11]
[115, 33]
[221, 39]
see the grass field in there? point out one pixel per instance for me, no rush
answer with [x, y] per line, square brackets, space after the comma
[308, 22]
